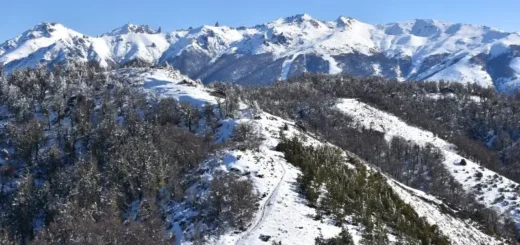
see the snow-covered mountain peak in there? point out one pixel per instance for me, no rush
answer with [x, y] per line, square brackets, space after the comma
[45, 29]
[417, 27]
[210, 30]
[297, 18]
[427, 27]
[343, 21]
[48, 30]
[131, 29]
[420, 49]
[303, 21]
[39, 38]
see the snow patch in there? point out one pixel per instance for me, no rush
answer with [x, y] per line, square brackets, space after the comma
[459, 231]
[286, 66]
[333, 65]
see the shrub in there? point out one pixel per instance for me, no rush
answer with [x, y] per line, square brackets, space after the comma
[232, 200]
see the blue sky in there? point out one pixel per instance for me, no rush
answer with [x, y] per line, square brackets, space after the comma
[95, 17]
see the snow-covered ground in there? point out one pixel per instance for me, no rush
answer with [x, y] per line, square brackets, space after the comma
[283, 214]
[286, 66]
[462, 70]
[492, 189]
[459, 231]
[167, 82]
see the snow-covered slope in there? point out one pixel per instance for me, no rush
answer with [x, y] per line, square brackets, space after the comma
[414, 50]
[50, 43]
[283, 215]
[459, 231]
[168, 83]
[45, 42]
[272, 176]
[491, 189]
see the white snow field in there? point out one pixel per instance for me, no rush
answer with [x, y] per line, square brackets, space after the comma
[496, 191]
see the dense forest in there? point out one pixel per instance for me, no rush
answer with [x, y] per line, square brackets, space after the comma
[89, 159]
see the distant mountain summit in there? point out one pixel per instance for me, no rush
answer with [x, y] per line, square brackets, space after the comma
[131, 29]
[411, 50]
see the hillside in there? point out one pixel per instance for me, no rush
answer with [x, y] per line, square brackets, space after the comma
[149, 155]
[490, 189]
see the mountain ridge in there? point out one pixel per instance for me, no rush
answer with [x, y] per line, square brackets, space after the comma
[420, 49]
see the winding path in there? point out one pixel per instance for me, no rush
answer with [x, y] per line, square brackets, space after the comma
[263, 209]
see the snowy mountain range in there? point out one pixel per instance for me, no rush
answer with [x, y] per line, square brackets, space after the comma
[412, 50]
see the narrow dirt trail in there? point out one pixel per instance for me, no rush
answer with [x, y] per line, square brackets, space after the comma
[263, 209]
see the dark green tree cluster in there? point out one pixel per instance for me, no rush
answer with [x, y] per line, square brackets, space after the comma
[339, 190]
[344, 238]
